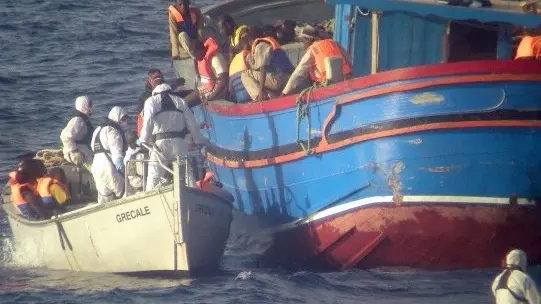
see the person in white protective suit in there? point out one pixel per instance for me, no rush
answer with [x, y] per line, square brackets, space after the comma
[134, 168]
[513, 285]
[77, 134]
[166, 123]
[109, 146]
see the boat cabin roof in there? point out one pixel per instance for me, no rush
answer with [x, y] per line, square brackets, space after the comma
[501, 10]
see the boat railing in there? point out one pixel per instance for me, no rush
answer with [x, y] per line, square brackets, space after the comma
[183, 163]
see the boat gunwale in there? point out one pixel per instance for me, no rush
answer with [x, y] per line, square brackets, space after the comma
[95, 207]
[227, 108]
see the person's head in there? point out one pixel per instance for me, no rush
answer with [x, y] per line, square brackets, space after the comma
[32, 168]
[199, 50]
[154, 78]
[252, 34]
[131, 138]
[226, 25]
[308, 35]
[83, 104]
[268, 31]
[119, 116]
[58, 174]
[244, 44]
[516, 258]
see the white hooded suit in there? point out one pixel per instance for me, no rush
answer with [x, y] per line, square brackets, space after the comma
[513, 285]
[166, 123]
[109, 150]
[77, 134]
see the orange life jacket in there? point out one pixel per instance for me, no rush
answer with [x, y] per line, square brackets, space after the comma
[179, 20]
[322, 49]
[204, 67]
[279, 61]
[43, 189]
[529, 47]
[17, 198]
[139, 124]
[237, 66]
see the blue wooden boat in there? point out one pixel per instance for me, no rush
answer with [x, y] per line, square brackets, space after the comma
[428, 158]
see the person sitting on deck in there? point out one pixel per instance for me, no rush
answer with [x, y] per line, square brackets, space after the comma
[24, 196]
[77, 134]
[268, 68]
[232, 32]
[183, 27]
[513, 285]
[52, 189]
[529, 46]
[212, 70]
[134, 170]
[313, 65]
[237, 66]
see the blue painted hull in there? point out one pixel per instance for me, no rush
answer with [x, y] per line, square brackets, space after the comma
[456, 140]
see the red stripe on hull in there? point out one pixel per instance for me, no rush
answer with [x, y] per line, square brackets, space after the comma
[430, 237]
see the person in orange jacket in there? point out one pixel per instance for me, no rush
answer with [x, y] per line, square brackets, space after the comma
[311, 67]
[529, 48]
[184, 23]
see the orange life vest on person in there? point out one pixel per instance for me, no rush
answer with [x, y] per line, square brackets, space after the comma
[204, 67]
[529, 48]
[182, 23]
[17, 198]
[322, 49]
[43, 191]
[279, 61]
[237, 66]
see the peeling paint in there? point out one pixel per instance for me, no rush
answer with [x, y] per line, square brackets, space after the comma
[394, 182]
[427, 97]
[416, 141]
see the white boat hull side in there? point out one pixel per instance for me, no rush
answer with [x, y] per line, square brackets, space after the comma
[136, 234]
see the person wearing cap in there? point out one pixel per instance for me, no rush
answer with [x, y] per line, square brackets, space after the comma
[109, 145]
[167, 121]
[311, 67]
[513, 285]
[77, 134]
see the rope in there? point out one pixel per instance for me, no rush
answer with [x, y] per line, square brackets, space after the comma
[303, 111]
[51, 157]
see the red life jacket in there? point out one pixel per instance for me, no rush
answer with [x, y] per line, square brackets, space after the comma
[322, 49]
[204, 68]
[139, 124]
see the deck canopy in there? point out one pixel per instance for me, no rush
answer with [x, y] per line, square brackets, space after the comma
[501, 11]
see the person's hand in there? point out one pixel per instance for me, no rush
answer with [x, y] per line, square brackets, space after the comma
[119, 164]
[77, 158]
[260, 96]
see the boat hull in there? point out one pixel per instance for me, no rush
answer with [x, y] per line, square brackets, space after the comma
[420, 234]
[135, 234]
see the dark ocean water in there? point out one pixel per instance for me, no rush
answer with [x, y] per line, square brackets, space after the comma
[51, 51]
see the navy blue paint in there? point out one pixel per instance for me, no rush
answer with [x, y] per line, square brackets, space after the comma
[425, 8]
[361, 49]
[342, 22]
[505, 43]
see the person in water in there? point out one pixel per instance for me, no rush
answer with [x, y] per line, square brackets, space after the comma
[513, 285]
[213, 73]
[268, 68]
[77, 134]
[109, 145]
